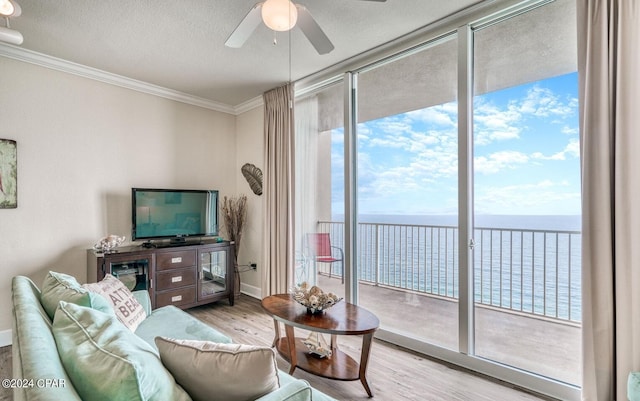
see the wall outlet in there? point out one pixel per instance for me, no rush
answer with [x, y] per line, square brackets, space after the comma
[254, 266]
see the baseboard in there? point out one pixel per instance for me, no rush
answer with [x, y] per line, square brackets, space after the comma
[255, 292]
[6, 338]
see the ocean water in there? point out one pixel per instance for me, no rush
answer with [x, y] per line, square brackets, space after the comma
[526, 263]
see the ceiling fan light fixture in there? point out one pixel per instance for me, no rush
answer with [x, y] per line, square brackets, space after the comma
[279, 15]
[10, 36]
[9, 8]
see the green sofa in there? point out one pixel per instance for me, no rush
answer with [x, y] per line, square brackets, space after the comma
[633, 386]
[36, 360]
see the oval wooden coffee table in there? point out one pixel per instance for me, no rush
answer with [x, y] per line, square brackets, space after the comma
[342, 319]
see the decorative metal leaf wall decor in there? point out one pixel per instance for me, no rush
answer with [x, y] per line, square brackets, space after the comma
[253, 175]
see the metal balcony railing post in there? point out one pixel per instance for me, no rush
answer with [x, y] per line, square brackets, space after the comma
[377, 255]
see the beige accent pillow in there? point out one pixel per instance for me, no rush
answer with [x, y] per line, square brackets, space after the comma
[211, 371]
[126, 307]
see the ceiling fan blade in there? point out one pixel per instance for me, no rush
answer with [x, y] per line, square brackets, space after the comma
[246, 27]
[312, 31]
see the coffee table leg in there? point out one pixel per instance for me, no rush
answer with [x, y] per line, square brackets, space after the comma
[291, 339]
[364, 361]
[277, 330]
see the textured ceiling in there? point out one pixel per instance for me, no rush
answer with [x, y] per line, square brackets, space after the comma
[180, 44]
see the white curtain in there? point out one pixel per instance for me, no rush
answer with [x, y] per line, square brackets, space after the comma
[306, 216]
[278, 239]
[608, 57]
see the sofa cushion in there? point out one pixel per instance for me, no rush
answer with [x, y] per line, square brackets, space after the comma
[211, 371]
[63, 287]
[106, 361]
[126, 307]
[182, 325]
[633, 386]
[34, 348]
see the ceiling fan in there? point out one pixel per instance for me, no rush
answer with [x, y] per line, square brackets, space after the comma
[282, 15]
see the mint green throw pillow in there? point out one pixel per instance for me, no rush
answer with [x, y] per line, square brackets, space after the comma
[106, 361]
[63, 287]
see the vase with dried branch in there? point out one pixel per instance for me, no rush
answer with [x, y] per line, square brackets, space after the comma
[234, 218]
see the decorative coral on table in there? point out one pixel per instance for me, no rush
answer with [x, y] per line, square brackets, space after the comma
[313, 298]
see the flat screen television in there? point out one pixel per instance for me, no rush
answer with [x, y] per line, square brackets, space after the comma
[173, 214]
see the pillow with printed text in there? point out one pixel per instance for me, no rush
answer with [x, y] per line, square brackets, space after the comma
[127, 308]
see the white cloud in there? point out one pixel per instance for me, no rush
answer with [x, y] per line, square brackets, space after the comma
[542, 102]
[337, 137]
[571, 150]
[498, 161]
[393, 126]
[494, 124]
[443, 115]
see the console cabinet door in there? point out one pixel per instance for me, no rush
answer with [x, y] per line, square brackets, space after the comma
[213, 273]
[134, 270]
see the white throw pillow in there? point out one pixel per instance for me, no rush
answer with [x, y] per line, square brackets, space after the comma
[211, 371]
[126, 307]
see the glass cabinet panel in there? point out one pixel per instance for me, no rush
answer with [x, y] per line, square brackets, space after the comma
[213, 272]
[134, 273]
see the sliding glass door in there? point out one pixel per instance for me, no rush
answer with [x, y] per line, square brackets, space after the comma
[407, 146]
[527, 193]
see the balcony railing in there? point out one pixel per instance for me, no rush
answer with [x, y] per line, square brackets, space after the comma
[535, 272]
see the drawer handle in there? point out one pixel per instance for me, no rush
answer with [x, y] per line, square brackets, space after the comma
[177, 298]
[176, 260]
[176, 279]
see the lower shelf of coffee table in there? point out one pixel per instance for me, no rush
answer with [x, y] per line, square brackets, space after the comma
[338, 366]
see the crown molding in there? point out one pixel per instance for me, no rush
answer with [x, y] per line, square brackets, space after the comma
[54, 63]
[250, 104]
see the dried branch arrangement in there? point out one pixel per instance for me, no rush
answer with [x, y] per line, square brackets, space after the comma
[234, 217]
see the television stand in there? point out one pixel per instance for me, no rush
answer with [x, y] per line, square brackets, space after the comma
[185, 276]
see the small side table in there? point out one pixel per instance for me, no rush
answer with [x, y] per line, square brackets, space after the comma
[341, 319]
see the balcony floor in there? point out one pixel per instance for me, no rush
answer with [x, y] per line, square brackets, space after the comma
[538, 345]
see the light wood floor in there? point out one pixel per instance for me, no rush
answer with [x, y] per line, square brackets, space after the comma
[393, 373]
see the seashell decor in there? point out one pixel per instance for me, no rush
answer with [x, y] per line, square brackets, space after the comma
[108, 243]
[313, 298]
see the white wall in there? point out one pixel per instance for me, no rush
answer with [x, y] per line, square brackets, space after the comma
[250, 149]
[82, 145]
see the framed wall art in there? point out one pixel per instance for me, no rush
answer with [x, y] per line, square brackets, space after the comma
[8, 174]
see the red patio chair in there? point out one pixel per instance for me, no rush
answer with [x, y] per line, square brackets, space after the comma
[321, 251]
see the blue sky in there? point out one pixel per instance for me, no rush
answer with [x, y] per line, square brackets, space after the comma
[526, 155]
